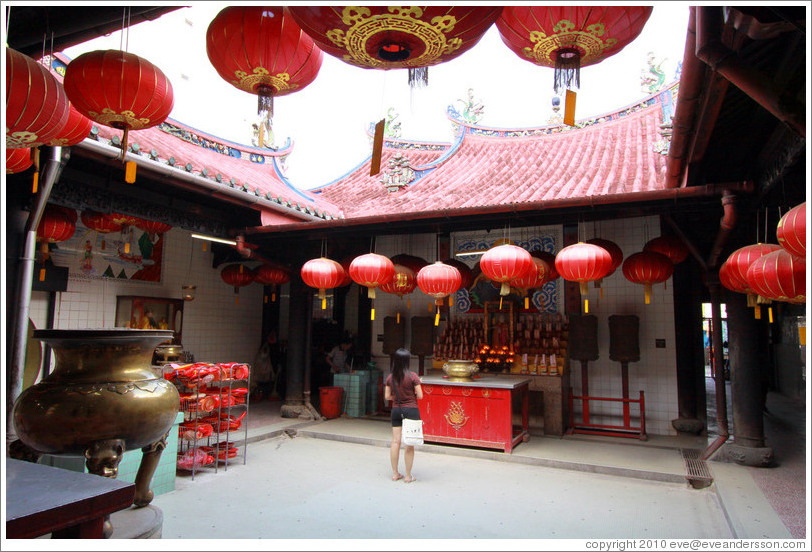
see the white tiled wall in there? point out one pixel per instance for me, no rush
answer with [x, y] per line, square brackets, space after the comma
[216, 328]
[655, 374]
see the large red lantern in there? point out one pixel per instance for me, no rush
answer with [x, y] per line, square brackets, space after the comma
[323, 274]
[56, 225]
[439, 280]
[403, 283]
[37, 107]
[237, 275]
[670, 246]
[395, 37]
[739, 263]
[271, 275]
[261, 50]
[583, 262]
[647, 268]
[567, 38]
[120, 90]
[791, 231]
[77, 127]
[371, 270]
[504, 263]
[18, 160]
[780, 276]
[728, 281]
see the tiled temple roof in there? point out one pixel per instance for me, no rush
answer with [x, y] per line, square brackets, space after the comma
[619, 152]
[257, 172]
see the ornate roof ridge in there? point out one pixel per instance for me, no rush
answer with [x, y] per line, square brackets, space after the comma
[520, 132]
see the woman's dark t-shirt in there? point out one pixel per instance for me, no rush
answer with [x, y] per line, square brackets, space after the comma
[408, 399]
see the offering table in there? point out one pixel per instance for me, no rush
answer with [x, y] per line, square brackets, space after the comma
[475, 413]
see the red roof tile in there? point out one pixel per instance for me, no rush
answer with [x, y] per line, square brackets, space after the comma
[486, 166]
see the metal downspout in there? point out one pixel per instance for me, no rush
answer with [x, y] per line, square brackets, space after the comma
[720, 58]
[57, 158]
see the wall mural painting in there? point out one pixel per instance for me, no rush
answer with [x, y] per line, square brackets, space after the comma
[128, 254]
[472, 300]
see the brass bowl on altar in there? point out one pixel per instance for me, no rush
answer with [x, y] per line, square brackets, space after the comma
[460, 370]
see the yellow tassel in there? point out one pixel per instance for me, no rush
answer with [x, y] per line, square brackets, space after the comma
[647, 287]
[802, 335]
[500, 302]
[569, 108]
[372, 313]
[266, 299]
[437, 318]
[770, 314]
[526, 302]
[450, 301]
[758, 312]
[129, 172]
[323, 303]
[273, 297]
[398, 318]
[42, 275]
[586, 306]
[127, 247]
[35, 185]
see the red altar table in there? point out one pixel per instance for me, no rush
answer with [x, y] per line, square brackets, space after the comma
[477, 413]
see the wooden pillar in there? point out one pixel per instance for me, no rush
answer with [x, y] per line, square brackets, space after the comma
[298, 345]
[746, 383]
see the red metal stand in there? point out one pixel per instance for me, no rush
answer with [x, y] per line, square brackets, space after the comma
[625, 430]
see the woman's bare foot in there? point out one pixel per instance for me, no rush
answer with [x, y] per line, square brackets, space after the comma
[409, 479]
[397, 476]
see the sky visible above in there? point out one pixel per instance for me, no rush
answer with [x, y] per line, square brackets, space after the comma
[328, 120]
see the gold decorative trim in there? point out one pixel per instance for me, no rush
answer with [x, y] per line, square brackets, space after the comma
[590, 42]
[363, 26]
[456, 417]
[249, 81]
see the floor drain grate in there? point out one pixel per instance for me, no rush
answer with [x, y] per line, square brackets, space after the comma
[697, 472]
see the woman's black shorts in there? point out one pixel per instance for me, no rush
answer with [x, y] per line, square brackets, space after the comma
[409, 412]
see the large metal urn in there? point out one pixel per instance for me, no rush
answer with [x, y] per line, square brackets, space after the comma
[103, 398]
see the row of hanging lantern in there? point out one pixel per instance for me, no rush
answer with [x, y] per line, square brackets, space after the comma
[110, 87]
[768, 272]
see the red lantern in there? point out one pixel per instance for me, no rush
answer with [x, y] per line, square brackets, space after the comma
[322, 274]
[548, 258]
[569, 37]
[779, 276]
[739, 263]
[18, 160]
[237, 275]
[269, 275]
[466, 273]
[152, 226]
[582, 263]
[345, 264]
[614, 251]
[56, 225]
[371, 270]
[409, 261]
[791, 231]
[439, 280]
[36, 104]
[533, 279]
[119, 90]
[77, 127]
[504, 263]
[261, 50]
[727, 280]
[395, 37]
[403, 282]
[647, 268]
[670, 246]
[100, 222]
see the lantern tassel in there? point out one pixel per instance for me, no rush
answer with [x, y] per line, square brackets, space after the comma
[757, 312]
[584, 288]
[398, 318]
[371, 293]
[372, 313]
[647, 288]
[586, 306]
[567, 69]
[124, 144]
[526, 302]
[35, 184]
[437, 317]
[505, 289]
[418, 77]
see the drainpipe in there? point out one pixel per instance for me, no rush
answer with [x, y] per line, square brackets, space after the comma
[720, 58]
[57, 158]
[725, 227]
